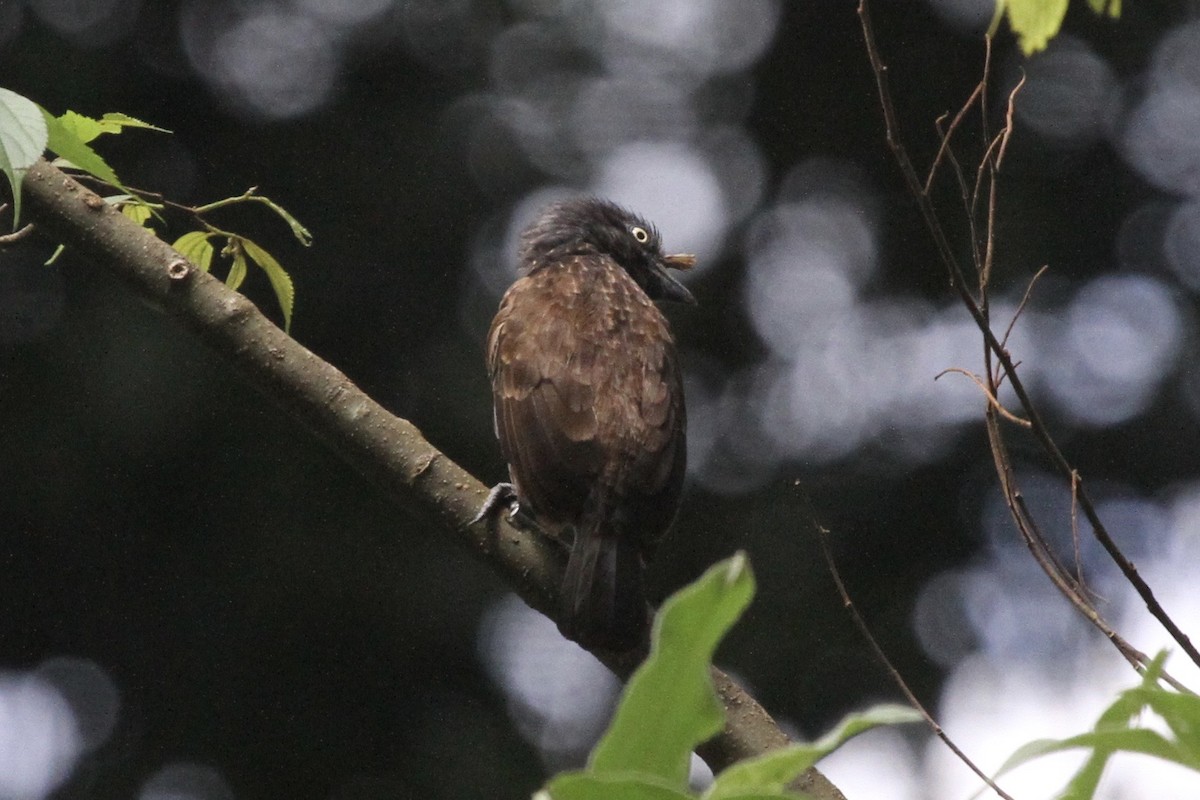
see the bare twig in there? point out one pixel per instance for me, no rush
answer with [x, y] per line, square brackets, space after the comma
[944, 147]
[16, 236]
[1006, 134]
[897, 678]
[1024, 302]
[1045, 558]
[988, 393]
[1075, 530]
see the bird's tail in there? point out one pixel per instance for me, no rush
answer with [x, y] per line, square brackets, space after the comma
[604, 601]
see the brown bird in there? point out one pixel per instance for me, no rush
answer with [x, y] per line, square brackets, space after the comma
[588, 405]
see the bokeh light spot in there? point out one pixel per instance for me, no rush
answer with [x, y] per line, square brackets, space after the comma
[89, 691]
[87, 23]
[270, 64]
[186, 781]
[1181, 243]
[708, 36]
[1160, 135]
[1068, 93]
[673, 186]
[1123, 335]
[559, 696]
[39, 737]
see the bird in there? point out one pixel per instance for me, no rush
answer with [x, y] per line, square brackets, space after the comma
[588, 405]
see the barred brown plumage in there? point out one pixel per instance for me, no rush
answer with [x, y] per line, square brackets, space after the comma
[588, 403]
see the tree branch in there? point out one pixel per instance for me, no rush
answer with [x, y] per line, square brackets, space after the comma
[385, 449]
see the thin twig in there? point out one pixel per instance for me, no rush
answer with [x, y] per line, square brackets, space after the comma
[959, 177]
[16, 236]
[1032, 536]
[991, 397]
[823, 535]
[944, 147]
[1075, 530]
[1024, 302]
[990, 166]
[1008, 121]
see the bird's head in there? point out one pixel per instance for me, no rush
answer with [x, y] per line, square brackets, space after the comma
[589, 225]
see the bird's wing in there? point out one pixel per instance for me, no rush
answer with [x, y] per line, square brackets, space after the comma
[652, 474]
[588, 396]
[544, 402]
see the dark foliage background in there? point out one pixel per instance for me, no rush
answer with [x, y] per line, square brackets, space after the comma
[271, 627]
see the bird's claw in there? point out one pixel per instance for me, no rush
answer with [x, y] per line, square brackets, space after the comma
[502, 495]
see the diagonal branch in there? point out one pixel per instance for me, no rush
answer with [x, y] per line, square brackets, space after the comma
[387, 450]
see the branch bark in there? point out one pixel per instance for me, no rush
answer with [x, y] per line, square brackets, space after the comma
[385, 449]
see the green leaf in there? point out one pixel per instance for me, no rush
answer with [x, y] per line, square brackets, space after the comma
[84, 128]
[66, 143]
[1131, 740]
[1180, 711]
[1035, 22]
[114, 122]
[584, 786]
[1110, 7]
[237, 271]
[196, 247]
[669, 705]
[773, 771]
[23, 138]
[285, 293]
[128, 202]
[138, 212]
[1113, 734]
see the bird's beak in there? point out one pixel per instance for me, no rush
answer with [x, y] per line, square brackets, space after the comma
[668, 287]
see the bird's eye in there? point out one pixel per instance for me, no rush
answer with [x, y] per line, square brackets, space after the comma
[639, 233]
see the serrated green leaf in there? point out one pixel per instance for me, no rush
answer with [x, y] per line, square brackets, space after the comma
[1035, 22]
[85, 128]
[281, 282]
[138, 212]
[113, 122]
[585, 786]
[23, 137]
[67, 144]
[669, 705]
[196, 247]
[773, 771]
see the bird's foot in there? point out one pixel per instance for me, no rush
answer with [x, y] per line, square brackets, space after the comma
[502, 495]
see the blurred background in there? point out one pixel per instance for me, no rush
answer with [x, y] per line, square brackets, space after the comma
[198, 601]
